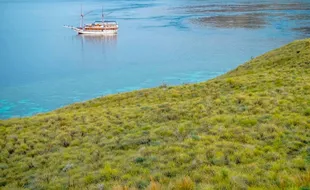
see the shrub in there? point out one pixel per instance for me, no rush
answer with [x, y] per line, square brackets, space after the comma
[107, 173]
[307, 112]
[140, 160]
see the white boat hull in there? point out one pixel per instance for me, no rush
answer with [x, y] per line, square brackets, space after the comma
[104, 32]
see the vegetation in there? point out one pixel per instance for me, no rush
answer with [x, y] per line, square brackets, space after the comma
[247, 129]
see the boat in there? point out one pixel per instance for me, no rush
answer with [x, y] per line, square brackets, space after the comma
[96, 28]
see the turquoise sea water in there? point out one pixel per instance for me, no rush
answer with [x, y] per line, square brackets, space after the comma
[44, 66]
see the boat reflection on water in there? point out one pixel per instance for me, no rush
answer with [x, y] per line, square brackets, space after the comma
[96, 42]
[98, 39]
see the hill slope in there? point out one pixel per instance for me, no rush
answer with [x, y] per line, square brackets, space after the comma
[249, 128]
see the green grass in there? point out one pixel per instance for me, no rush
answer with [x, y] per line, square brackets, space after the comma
[247, 129]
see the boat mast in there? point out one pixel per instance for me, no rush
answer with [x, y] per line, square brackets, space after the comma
[82, 17]
[102, 14]
[81, 23]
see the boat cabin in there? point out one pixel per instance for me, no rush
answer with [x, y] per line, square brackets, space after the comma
[99, 25]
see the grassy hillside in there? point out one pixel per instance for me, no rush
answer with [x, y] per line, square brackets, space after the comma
[247, 129]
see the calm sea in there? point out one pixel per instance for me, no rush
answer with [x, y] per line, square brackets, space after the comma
[44, 66]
